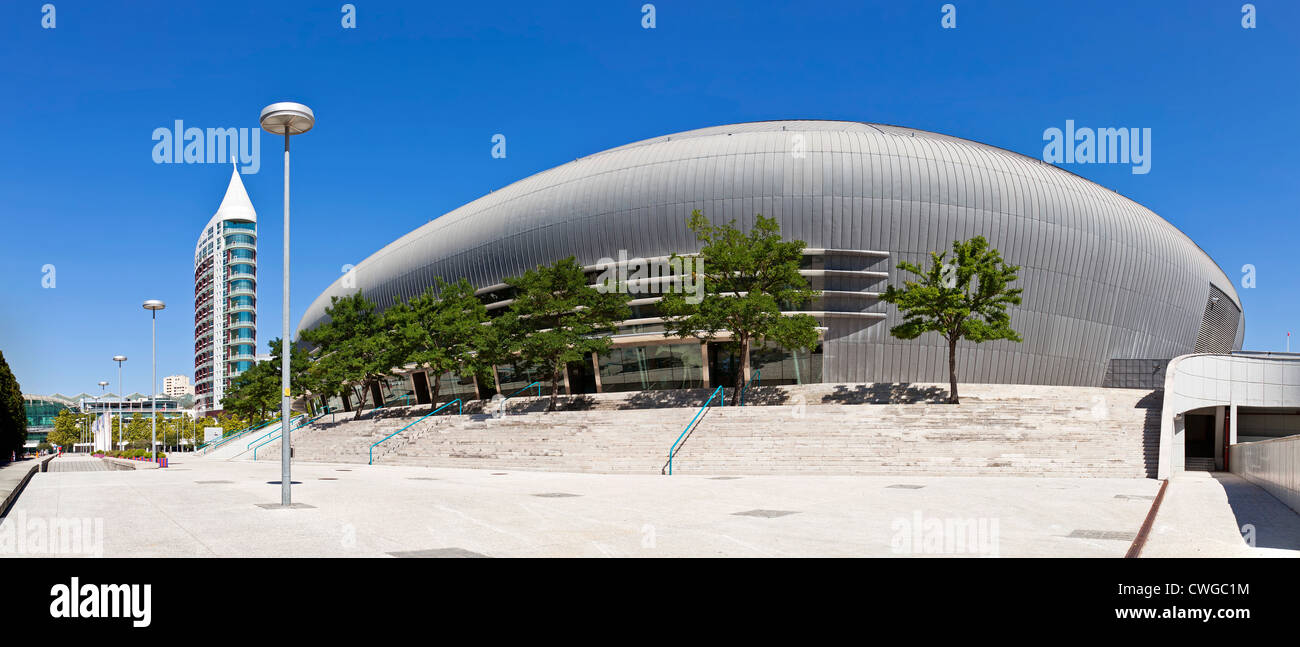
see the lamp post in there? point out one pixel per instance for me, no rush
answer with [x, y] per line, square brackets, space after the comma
[286, 118]
[153, 306]
[121, 413]
[102, 385]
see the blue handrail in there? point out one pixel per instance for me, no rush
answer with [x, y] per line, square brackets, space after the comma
[673, 450]
[225, 438]
[406, 400]
[270, 433]
[746, 388]
[460, 408]
[537, 383]
[302, 422]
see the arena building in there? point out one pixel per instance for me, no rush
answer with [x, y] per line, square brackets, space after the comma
[1111, 290]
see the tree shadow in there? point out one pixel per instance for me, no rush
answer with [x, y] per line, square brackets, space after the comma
[885, 393]
[665, 399]
[766, 396]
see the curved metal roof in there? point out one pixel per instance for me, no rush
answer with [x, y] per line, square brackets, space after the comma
[1096, 264]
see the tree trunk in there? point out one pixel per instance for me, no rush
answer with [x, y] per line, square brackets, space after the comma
[437, 384]
[555, 389]
[952, 371]
[362, 396]
[740, 371]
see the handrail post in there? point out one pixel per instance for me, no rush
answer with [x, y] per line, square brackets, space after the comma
[753, 377]
[538, 383]
[672, 451]
[460, 409]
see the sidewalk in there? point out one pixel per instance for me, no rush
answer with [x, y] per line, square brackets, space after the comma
[1208, 514]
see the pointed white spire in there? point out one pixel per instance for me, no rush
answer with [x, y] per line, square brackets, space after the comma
[236, 204]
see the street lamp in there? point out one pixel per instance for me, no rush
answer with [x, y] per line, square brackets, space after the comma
[121, 411]
[102, 385]
[286, 118]
[153, 306]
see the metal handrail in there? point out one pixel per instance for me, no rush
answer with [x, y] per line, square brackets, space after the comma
[673, 450]
[460, 409]
[301, 423]
[227, 438]
[537, 383]
[502, 406]
[406, 400]
[746, 387]
[269, 433]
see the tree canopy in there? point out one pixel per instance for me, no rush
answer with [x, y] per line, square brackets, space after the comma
[13, 414]
[557, 318]
[354, 350]
[966, 298]
[748, 278]
[442, 330]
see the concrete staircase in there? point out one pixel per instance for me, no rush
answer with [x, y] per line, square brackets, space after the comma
[821, 429]
[237, 448]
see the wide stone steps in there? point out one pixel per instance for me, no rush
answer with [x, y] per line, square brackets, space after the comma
[1027, 431]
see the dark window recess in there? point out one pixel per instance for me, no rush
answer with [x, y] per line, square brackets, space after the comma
[1135, 374]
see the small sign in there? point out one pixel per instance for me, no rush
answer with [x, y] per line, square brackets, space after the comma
[211, 433]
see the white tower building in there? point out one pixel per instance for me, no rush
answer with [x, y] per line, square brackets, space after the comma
[225, 297]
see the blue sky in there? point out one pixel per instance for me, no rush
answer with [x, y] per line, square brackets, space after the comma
[408, 101]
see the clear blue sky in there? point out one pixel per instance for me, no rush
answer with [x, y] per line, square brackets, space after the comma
[408, 101]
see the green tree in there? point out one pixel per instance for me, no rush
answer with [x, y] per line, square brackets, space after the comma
[966, 298]
[139, 431]
[354, 349]
[299, 369]
[13, 414]
[441, 329]
[254, 392]
[557, 318]
[748, 279]
[67, 429]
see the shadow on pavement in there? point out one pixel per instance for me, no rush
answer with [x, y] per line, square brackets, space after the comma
[1275, 525]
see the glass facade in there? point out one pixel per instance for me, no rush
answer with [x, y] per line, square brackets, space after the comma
[512, 380]
[649, 368]
[776, 365]
[452, 386]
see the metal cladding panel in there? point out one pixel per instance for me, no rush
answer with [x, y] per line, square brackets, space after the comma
[1104, 278]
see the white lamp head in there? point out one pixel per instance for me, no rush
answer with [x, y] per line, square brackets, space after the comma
[277, 116]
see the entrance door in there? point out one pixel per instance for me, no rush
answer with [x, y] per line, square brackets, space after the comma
[1198, 435]
[422, 395]
[581, 377]
[723, 366]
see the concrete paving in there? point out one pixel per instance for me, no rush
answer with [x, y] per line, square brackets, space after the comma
[74, 463]
[202, 508]
[1218, 514]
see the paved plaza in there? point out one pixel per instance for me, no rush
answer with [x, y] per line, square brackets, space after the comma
[204, 508]
[200, 507]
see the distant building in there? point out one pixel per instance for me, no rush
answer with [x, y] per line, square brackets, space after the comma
[177, 386]
[225, 297]
[41, 412]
